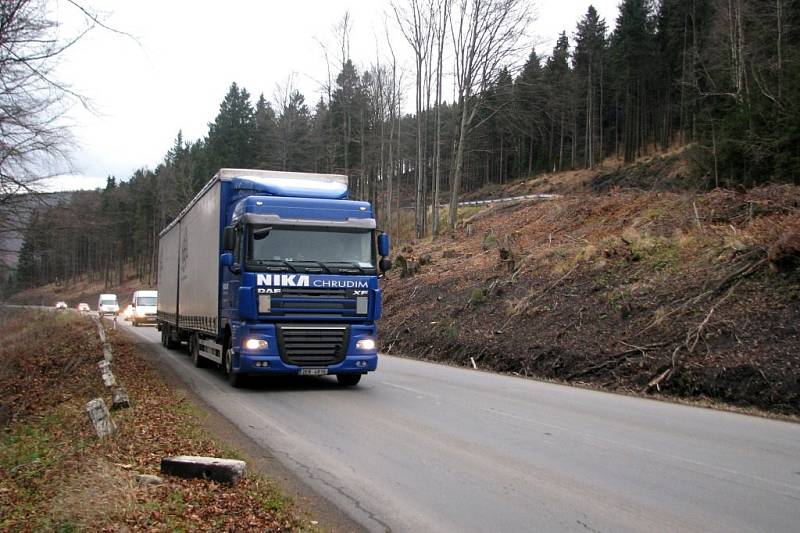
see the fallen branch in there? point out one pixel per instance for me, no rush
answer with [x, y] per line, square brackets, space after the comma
[693, 336]
[740, 273]
[534, 297]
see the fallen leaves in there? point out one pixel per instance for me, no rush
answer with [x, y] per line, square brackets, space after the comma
[55, 475]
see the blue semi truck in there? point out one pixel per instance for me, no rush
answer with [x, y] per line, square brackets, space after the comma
[273, 273]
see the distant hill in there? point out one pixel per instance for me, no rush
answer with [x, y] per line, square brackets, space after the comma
[14, 217]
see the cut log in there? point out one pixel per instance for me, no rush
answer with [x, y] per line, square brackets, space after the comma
[100, 417]
[213, 468]
[107, 352]
[120, 399]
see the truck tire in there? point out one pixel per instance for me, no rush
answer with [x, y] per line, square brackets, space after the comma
[348, 380]
[234, 378]
[194, 351]
[164, 336]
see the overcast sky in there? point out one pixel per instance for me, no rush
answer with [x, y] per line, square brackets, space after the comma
[174, 75]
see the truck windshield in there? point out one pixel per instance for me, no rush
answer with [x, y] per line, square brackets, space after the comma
[108, 302]
[146, 300]
[304, 247]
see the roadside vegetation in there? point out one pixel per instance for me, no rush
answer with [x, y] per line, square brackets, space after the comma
[681, 295]
[56, 475]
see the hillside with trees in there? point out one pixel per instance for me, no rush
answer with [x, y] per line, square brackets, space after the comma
[720, 80]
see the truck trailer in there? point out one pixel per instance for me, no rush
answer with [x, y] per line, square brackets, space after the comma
[268, 272]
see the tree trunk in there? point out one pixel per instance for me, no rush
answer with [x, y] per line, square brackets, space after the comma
[459, 162]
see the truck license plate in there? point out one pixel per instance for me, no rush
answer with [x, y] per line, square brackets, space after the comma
[313, 371]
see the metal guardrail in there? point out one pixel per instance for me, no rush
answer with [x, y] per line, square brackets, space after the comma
[543, 196]
[509, 199]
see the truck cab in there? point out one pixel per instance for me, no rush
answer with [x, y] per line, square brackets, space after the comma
[300, 287]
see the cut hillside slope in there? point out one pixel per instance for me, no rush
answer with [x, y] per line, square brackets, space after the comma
[675, 294]
[671, 171]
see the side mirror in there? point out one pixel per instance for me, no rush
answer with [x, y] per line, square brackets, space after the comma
[133, 305]
[383, 244]
[229, 239]
[385, 264]
[226, 259]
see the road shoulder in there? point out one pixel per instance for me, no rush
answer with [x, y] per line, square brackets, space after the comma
[259, 458]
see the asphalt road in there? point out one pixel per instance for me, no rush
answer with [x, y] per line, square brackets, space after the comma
[423, 447]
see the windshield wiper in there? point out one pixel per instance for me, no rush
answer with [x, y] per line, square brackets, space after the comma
[350, 264]
[319, 263]
[282, 262]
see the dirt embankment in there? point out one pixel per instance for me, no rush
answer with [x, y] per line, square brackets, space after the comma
[677, 294]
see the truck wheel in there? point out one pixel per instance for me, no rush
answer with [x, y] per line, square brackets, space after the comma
[194, 351]
[135, 324]
[348, 380]
[164, 336]
[235, 379]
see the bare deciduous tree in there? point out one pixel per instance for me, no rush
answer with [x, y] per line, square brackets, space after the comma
[416, 24]
[34, 139]
[485, 33]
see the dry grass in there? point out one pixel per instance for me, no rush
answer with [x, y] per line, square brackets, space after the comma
[102, 494]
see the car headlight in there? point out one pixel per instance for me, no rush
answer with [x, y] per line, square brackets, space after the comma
[255, 344]
[366, 344]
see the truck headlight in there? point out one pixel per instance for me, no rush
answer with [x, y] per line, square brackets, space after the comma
[366, 344]
[255, 344]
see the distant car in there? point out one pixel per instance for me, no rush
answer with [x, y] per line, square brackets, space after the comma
[61, 305]
[83, 307]
[127, 313]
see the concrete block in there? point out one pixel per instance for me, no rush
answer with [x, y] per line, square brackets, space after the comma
[105, 372]
[107, 352]
[120, 399]
[100, 417]
[213, 468]
[147, 479]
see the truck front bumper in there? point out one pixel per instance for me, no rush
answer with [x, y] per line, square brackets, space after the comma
[253, 364]
[269, 361]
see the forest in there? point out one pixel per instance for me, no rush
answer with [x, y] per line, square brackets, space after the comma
[719, 76]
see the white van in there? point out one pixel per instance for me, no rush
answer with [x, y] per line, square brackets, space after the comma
[107, 304]
[144, 307]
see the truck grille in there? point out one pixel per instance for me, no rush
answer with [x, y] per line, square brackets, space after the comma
[306, 302]
[321, 345]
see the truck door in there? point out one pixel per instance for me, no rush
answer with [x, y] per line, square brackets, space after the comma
[232, 280]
